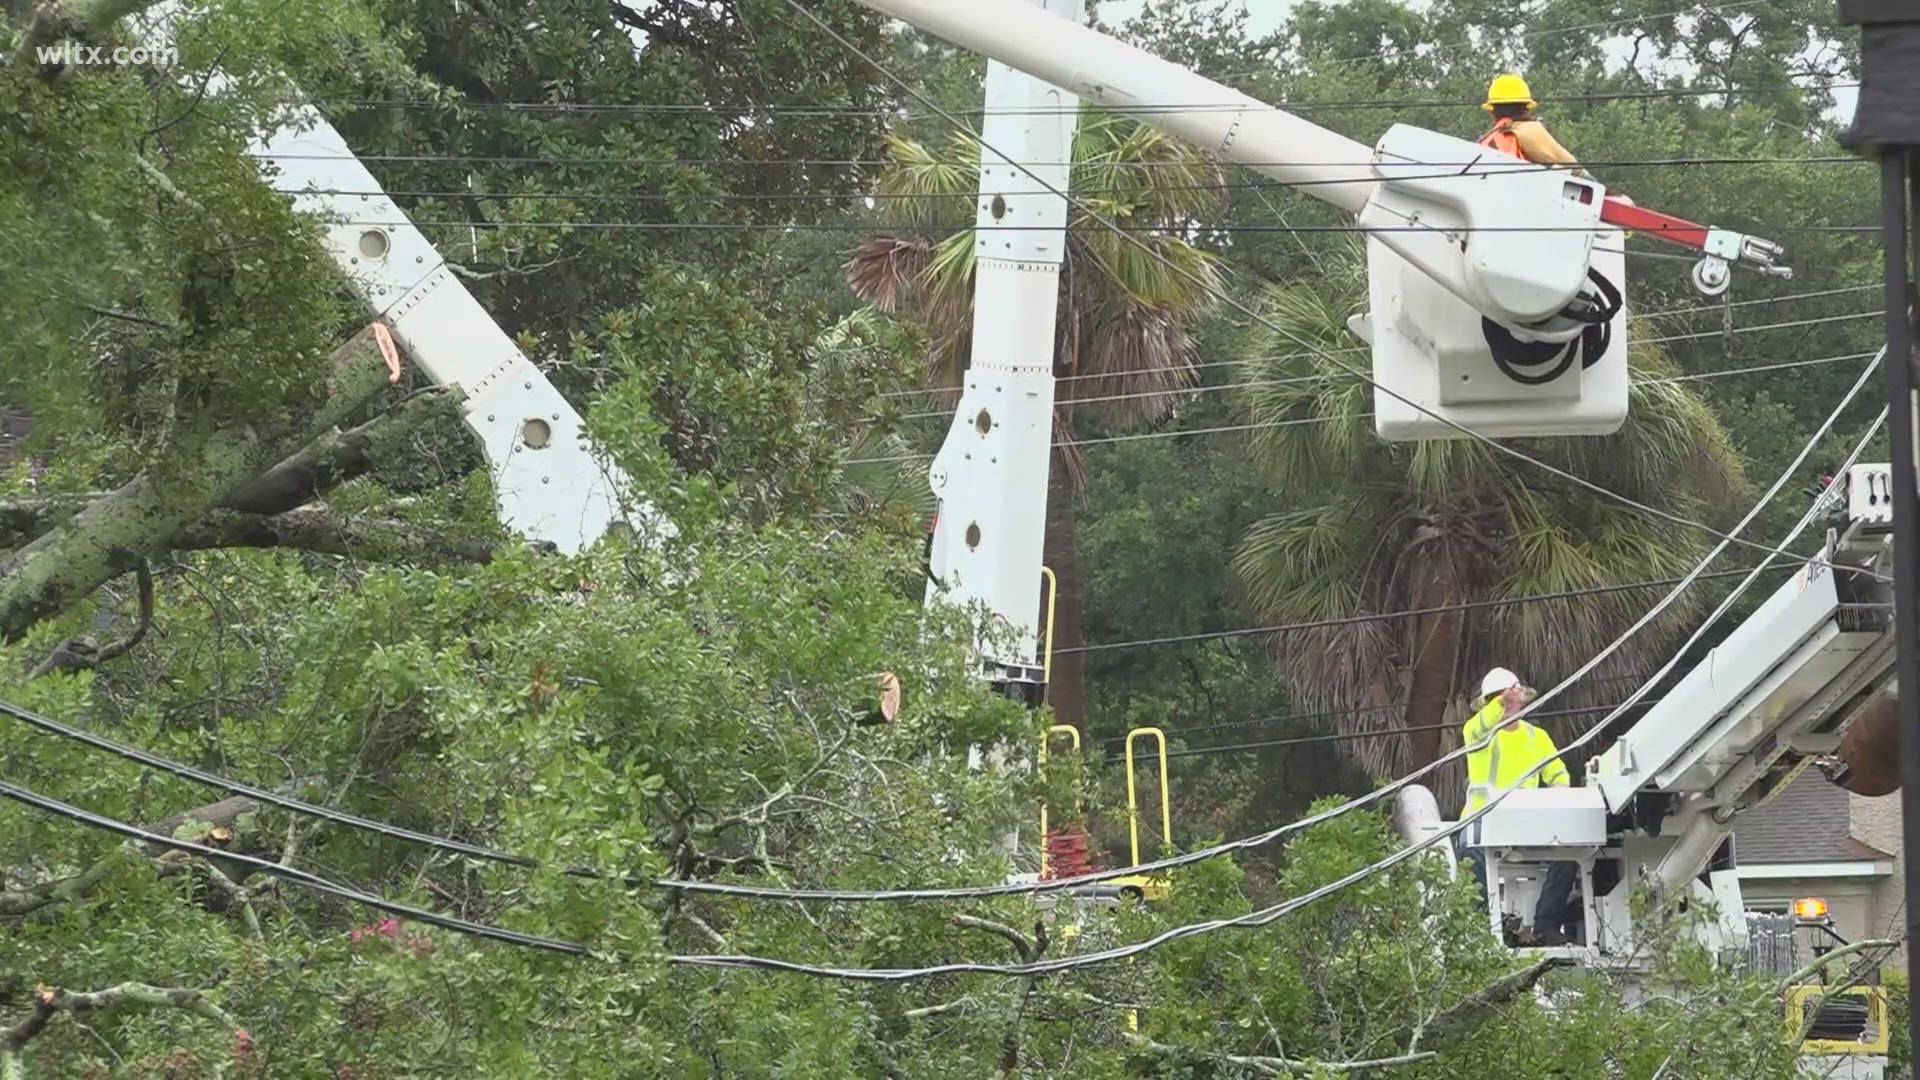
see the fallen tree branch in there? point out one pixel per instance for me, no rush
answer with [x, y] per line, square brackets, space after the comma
[47, 1001]
[1275, 1066]
[80, 654]
[323, 464]
[1022, 945]
[1469, 1013]
[323, 530]
[60, 891]
[1809, 971]
[66, 564]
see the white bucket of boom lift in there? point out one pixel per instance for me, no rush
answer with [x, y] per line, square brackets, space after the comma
[1521, 243]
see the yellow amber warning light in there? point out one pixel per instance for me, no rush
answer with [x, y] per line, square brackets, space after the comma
[1810, 909]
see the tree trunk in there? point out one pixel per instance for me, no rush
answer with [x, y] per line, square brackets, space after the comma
[66, 564]
[1066, 692]
[1433, 644]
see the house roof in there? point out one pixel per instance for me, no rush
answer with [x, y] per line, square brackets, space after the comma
[1809, 821]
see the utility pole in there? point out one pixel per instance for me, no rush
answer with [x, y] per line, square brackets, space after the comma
[1886, 124]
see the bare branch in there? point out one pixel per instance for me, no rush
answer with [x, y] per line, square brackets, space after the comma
[1274, 1066]
[1024, 947]
[62, 891]
[321, 529]
[1807, 972]
[47, 1001]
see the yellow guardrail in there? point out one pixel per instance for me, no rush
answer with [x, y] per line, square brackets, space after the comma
[1053, 599]
[1046, 740]
[1133, 797]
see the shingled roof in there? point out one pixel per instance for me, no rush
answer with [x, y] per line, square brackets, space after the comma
[1810, 821]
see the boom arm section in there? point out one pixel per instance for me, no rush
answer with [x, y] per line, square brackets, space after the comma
[550, 483]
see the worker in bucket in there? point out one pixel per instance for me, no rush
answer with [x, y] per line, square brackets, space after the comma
[1514, 749]
[1516, 131]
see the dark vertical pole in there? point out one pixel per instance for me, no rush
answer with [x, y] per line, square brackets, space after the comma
[1894, 165]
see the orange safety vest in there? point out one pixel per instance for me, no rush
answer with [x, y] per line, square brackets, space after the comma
[1503, 139]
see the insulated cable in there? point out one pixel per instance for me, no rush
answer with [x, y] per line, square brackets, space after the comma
[288, 873]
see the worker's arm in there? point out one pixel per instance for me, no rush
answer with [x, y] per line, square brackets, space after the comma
[1539, 145]
[1482, 722]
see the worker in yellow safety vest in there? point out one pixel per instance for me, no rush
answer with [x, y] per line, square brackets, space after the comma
[1513, 750]
[1516, 131]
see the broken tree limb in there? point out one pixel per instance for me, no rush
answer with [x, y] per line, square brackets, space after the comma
[325, 531]
[61, 891]
[329, 461]
[80, 654]
[1276, 1066]
[66, 564]
[49, 1001]
[1467, 1015]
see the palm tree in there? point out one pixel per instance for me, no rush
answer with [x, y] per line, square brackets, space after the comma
[1370, 526]
[1121, 346]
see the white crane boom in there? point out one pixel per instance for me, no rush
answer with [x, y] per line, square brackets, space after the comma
[1497, 285]
[991, 472]
[550, 483]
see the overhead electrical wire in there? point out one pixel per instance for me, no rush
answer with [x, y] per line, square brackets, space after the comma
[1697, 309]
[1146, 187]
[1279, 910]
[1336, 736]
[572, 108]
[287, 873]
[1551, 31]
[298, 806]
[1175, 433]
[1230, 230]
[846, 163]
[1411, 613]
[1287, 718]
[1757, 368]
[464, 848]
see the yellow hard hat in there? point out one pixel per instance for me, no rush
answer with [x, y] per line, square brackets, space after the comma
[1509, 90]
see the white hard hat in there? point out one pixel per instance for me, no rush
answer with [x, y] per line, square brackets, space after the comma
[1497, 682]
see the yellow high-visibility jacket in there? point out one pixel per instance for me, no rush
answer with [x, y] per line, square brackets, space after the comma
[1500, 764]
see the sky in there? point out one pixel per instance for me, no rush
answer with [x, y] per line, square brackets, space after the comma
[1265, 15]
[1262, 15]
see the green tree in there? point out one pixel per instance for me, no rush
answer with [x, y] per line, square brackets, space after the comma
[1368, 526]
[1123, 348]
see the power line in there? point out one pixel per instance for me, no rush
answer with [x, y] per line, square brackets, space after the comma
[1533, 35]
[1411, 613]
[1452, 170]
[288, 873]
[1758, 368]
[1340, 736]
[573, 108]
[1288, 718]
[1698, 309]
[1262, 425]
[221, 783]
[1161, 230]
[883, 162]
